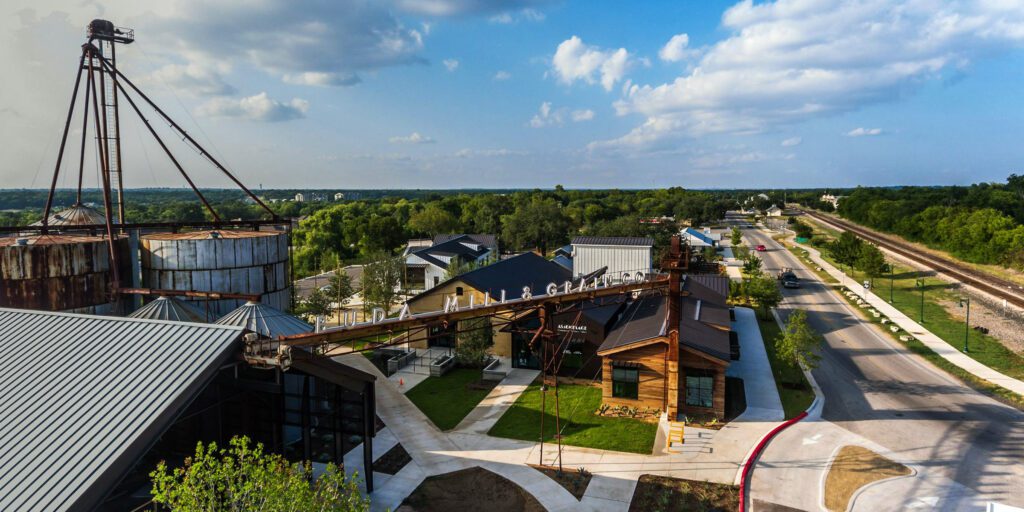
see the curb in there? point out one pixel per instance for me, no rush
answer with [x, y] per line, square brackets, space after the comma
[748, 466]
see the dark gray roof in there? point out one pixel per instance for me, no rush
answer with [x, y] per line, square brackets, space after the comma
[453, 248]
[703, 321]
[482, 239]
[265, 320]
[613, 240]
[170, 308]
[718, 284]
[85, 396]
[511, 275]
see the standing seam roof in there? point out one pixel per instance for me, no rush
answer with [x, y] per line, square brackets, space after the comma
[83, 395]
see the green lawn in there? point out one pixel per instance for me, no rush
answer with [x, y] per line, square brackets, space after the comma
[578, 405]
[794, 390]
[446, 400]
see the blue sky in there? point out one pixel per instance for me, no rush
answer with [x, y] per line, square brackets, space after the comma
[474, 93]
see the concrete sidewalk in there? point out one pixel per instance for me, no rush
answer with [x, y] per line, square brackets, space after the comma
[937, 344]
[489, 410]
[755, 369]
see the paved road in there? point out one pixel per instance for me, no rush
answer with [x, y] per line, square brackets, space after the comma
[965, 447]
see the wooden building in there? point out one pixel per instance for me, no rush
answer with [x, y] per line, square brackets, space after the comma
[648, 364]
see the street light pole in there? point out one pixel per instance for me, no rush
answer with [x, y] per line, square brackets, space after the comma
[967, 321]
[892, 278]
[920, 285]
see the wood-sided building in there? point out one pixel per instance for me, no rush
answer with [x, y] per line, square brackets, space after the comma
[646, 363]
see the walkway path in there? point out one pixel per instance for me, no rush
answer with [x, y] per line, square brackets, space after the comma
[706, 454]
[937, 344]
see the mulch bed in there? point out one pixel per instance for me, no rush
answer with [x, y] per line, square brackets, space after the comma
[675, 494]
[853, 468]
[482, 384]
[393, 461]
[469, 490]
[573, 480]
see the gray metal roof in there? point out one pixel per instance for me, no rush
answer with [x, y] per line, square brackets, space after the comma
[84, 396]
[169, 308]
[613, 240]
[265, 320]
[75, 215]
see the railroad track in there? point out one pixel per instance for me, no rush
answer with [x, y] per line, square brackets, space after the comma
[1001, 288]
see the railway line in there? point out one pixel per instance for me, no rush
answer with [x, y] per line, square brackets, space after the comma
[994, 286]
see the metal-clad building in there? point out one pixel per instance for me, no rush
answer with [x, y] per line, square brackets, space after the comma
[619, 254]
[242, 262]
[85, 396]
[56, 273]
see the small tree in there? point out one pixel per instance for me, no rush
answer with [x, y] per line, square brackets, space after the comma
[341, 289]
[736, 237]
[243, 477]
[846, 249]
[381, 279]
[799, 342]
[871, 261]
[317, 304]
[752, 265]
[458, 267]
[765, 291]
[474, 344]
[709, 253]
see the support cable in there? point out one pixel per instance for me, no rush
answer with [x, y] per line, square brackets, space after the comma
[63, 142]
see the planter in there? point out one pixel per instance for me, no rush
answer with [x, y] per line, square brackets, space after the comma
[885, 321]
[893, 328]
[495, 370]
[441, 365]
[906, 338]
[876, 314]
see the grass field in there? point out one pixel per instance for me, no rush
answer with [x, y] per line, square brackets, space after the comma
[580, 426]
[446, 400]
[794, 390]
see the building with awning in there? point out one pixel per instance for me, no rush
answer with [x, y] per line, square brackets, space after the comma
[92, 403]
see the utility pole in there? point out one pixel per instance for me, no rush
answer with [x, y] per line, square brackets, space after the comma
[920, 286]
[967, 321]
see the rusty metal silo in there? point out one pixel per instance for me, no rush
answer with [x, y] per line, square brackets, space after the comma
[56, 273]
[240, 262]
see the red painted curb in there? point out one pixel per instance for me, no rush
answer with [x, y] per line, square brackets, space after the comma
[749, 464]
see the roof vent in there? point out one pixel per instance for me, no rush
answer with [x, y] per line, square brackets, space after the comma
[214, 234]
[21, 241]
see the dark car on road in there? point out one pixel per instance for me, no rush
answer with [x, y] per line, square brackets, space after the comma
[789, 279]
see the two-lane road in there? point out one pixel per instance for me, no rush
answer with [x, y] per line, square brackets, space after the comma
[876, 390]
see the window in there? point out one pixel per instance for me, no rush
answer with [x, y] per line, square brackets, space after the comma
[459, 291]
[436, 280]
[625, 382]
[700, 388]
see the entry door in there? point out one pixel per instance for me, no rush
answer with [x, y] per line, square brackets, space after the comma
[522, 356]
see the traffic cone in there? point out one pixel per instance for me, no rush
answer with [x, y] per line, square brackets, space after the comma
[401, 382]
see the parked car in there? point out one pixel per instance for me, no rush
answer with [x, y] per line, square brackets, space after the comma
[761, 248]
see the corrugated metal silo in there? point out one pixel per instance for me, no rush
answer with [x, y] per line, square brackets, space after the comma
[243, 262]
[56, 273]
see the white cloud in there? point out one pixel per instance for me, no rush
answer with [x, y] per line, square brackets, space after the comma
[574, 60]
[676, 49]
[413, 138]
[792, 141]
[864, 132]
[509, 17]
[792, 60]
[464, 7]
[582, 115]
[322, 79]
[546, 116]
[259, 107]
[499, 152]
[191, 78]
[502, 75]
[450, 64]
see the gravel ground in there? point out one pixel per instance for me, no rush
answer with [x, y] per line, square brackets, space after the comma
[1007, 329]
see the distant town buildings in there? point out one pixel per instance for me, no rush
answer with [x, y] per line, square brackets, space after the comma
[831, 199]
[338, 196]
[701, 238]
[773, 211]
[427, 262]
[299, 197]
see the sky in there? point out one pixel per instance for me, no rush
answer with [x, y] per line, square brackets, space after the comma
[534, 93]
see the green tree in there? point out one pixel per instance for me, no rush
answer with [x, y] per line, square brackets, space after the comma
[474, 342]
[540, 224]
[457, 267]
[798, 343]
[846, 249]
[341, 289]
[752, 265]
[243, 477]
[381, 279]
[433, 220]
[317, 304]
[736, 237]
[765, 291]
[871, 261]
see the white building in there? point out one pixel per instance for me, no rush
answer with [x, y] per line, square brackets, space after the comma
[831, 199]
[299, 198]
[339, 196]
[426, 267]
[773, 211]
[618, 254]
[701, 238]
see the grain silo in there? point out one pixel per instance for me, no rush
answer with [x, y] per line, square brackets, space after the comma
[56, 273]
[237, 262]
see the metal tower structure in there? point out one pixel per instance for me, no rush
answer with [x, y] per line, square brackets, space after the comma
[105, 37]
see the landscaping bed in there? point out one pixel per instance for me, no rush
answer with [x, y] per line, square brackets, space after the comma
[469, 490]
[573, 480]
[393, 461]
[853, 468]
[667, 494]
[581, 425]
[447, 400]
[794, 390]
